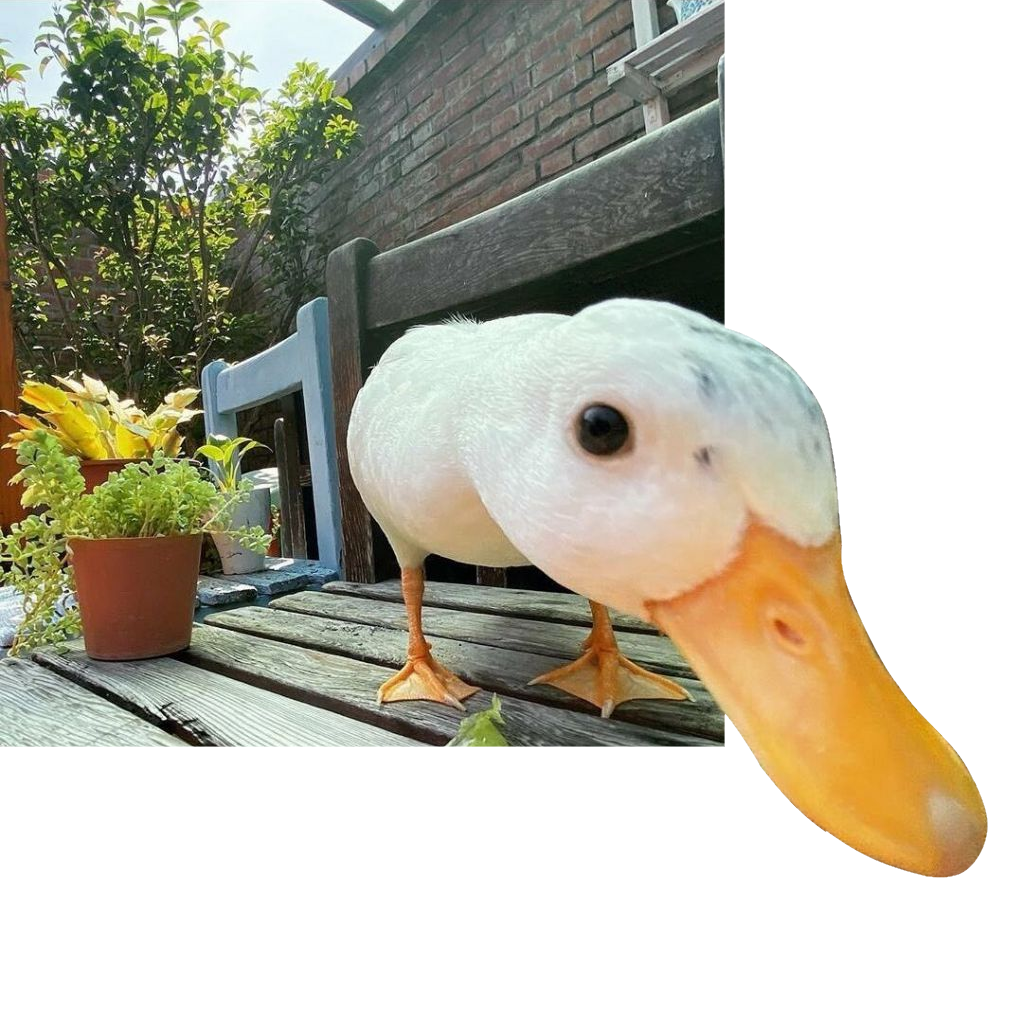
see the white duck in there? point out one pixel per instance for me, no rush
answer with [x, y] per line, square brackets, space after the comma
[656, 462]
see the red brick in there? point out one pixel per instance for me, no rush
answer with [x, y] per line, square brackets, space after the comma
[454, 44]
[433, 104]
[620, 129]
[612, 50]
[383, 123]
[505, 144]
[610, 106]
[506, 119]
[554, 112]
[430, 148]
[463, 60]
[491, 97]
[394, 154]
[449, 18]
[535, 99]
[485, 179]
[489, 18]
[545, 66]
[558, 135]
[494, 106]
[538, 14]
[556, 162]
[515, 185]
[554, 43]
[495, 53]
[590, 90]
[598, 7]
[461, 151]
[616, 20]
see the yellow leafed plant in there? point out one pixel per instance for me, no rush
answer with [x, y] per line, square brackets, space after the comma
[92, 422]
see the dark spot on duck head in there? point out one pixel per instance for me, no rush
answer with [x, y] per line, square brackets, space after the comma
[703, 456]
[705, 379]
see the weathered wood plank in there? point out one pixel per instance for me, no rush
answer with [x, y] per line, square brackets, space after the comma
[149, 809]
[350, 686]
[215, 591]
[564, 642]
[38, 707]
[346, 297]
[507, 672]
[210, 709]
[566, 608]
[286, 450]
[588, 214]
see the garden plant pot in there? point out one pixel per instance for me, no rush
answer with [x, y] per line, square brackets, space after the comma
[136, 596]
[235, 559]
[99, 471]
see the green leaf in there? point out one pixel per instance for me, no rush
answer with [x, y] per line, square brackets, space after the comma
[482, 729]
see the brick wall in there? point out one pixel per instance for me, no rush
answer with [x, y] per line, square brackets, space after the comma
[480, 101]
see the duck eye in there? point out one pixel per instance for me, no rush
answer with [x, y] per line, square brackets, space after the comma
[602, 429]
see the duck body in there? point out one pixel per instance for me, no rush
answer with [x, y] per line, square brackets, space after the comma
[406, 439]
[654, 461]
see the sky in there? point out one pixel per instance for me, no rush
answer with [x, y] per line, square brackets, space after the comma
[278, 33]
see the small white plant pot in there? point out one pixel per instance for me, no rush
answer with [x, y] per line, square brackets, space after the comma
[236, 560]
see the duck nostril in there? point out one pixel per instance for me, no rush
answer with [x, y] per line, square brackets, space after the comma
[788, 635]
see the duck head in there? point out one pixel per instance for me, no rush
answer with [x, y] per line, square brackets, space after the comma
[649, 459]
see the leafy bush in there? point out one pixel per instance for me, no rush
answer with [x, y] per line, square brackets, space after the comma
[141, 156]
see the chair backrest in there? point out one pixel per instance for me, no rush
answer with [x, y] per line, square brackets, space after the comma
[298, 365]
[593, 233]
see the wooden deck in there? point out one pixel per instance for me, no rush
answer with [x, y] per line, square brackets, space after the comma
[262, 746]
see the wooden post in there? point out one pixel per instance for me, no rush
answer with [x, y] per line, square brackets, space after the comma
[11, 510]
[293, 538]
[646, 28]
[346, 297]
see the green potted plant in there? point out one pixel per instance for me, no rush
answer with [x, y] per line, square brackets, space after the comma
[129, 550]
[250, 510]
[104, 431]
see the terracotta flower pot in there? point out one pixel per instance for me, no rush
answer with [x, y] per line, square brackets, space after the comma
[137, 596]
[98, 471]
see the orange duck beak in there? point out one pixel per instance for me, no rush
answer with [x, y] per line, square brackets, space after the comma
[777, 640]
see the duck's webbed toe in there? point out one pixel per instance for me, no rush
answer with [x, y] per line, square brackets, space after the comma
[423, 678]
[605, 678]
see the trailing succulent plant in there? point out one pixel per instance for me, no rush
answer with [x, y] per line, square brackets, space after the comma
[162, 497]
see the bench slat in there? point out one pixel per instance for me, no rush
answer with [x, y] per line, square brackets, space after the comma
[507, 672]
[210, 709]
[38, 707]
[561, 641]
[565, 608]
[351, 685]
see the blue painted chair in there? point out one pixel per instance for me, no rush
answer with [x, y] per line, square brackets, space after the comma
[298, 366]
